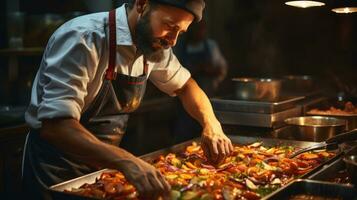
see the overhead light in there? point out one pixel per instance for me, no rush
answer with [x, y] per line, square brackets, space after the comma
[304, 4]
[345, 10]
[344, 6]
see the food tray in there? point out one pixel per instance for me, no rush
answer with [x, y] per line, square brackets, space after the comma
[56, 191]
[332, 171]
[263, 107]
[336, 169]
[329, 102]
[312, 187]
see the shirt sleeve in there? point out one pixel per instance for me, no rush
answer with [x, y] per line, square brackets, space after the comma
[169, 75]
[69, 63]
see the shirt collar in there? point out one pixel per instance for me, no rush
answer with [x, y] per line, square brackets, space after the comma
[123, 31]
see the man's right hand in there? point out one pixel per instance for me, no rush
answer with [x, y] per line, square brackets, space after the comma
[148, 181]
[69, 136]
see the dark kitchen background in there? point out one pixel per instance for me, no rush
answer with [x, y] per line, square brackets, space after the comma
[257, 38]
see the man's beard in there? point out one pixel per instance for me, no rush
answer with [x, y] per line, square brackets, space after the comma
[145, 40]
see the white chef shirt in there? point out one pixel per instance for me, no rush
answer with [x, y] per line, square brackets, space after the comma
[75, 60]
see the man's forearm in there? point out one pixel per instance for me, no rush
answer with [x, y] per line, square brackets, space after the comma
[74, 140]
[215, 144]
[70, 137]
[196, 103]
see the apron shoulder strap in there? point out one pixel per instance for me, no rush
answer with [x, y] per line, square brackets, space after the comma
[145, 67]
[110, 73]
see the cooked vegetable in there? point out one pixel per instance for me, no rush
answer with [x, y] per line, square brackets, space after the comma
[250, 172]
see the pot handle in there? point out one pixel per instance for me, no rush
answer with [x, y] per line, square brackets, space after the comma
[343, 137]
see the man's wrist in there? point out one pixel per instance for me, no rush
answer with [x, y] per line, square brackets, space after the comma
[211, 126]
[212, 121]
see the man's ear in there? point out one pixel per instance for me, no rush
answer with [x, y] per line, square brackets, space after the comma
[140, 5]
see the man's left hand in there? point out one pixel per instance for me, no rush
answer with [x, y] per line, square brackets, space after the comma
[215, 144]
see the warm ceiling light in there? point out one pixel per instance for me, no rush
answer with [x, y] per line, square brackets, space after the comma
[345, 10]
[304, 4]
[345, 6]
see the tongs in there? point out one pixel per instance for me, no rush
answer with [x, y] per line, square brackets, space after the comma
[329, 144]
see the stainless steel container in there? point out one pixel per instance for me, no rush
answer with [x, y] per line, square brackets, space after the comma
[316, 128]
[337, 103]
[351, 120]
[257, 89]
[312, 189]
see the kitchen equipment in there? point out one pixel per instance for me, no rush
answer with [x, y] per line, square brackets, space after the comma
[330, 143]
[317, 128]
[264, 107]
[272, 120]
[338, 103]
[336, 171]
[57, 190]
[350, 161]
[265, 89]
[232, 111]
[310, 188]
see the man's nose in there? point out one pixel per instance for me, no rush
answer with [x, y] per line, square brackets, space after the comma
[172, 38]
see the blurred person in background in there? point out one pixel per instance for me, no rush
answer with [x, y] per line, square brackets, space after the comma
[202, 57]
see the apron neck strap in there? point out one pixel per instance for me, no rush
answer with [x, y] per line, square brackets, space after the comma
[146, 65]
[110, 73]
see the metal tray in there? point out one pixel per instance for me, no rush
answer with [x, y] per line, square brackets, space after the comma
[263, 107]
[272, 120]
[56, 191]
[336, 169]
[327, 103]
[312, 187]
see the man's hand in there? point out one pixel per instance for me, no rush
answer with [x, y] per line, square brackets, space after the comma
[215, 144]
[69, 136]
[147, 180]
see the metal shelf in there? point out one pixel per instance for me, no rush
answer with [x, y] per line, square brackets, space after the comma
[27, 51]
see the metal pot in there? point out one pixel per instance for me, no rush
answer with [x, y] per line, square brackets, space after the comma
[257, 89]
[350, 119]
[316, 128]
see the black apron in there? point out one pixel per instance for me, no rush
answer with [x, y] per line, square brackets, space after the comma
[106, 118]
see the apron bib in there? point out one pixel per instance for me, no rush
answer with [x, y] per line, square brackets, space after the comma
[106, 118]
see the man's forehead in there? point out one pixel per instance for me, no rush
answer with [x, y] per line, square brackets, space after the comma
[174, 15]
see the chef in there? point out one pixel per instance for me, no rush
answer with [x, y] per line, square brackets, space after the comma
[92, 75]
